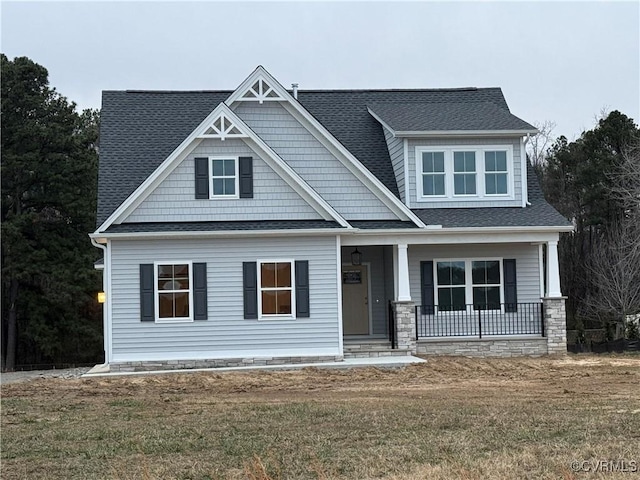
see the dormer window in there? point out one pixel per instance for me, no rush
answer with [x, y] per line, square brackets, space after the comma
[459, 174]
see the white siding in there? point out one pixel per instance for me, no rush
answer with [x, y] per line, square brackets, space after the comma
[174, 199]
[226, 333]
[313, 162]
[396, 152]
[445, 142]
[527, 274]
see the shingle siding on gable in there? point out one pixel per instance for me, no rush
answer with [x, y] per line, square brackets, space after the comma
[517, 169]
[174, 200]
[225, 332]
[396, 152]
[313, 162]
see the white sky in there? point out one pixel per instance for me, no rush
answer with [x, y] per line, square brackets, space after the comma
[563, 62]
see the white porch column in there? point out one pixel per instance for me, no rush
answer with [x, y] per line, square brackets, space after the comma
[553, 270]
[404, 292]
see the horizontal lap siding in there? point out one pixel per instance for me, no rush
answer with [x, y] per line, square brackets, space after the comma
[174, 199]
[527, 271]
[396, 152]
[445, 142]
[226, 330]
[313, 162]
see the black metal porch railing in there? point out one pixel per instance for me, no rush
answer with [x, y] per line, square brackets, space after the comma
[479, 321]
[392, 326]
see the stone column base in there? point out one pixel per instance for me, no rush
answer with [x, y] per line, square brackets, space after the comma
[405, 317]
[555, 325]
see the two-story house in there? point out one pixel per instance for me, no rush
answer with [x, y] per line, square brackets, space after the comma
[263, 225]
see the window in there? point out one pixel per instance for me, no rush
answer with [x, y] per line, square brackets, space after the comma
[173, 291]
[224, 177]
[495, 167]
[451, 286]
[485, 275]
[464, 173]
[433, 176]
[275, 287]
[468, 282]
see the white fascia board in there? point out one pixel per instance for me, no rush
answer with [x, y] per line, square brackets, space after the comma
[382, 122]
[338, 150]
[102, 237]
[180, 153]
[446, 237]
[462, 133]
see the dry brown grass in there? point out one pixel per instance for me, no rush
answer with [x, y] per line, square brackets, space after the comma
[449, 418]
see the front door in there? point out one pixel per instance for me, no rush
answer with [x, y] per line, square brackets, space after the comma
[355, 300]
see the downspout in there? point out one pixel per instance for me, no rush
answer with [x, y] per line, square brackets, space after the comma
[105, 309]
[525, 186]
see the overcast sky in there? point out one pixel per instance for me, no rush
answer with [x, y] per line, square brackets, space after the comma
[563, 62]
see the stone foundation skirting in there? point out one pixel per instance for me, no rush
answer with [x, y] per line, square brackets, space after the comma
[513, 347]
[147, 366]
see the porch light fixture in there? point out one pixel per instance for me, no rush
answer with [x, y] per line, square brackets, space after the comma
[101, 297]
[356, 257]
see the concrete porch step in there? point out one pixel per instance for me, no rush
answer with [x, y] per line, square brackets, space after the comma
[372, 349]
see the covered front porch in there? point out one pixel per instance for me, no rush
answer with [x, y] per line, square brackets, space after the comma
[465, 298]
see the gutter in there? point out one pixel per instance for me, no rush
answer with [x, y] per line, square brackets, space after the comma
[105, 308]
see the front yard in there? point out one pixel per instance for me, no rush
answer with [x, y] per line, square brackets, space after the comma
[449, 418]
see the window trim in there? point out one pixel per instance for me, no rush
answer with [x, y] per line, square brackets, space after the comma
[468, 283]
[277, 316]
[480, 172]
[156, 292]
[236, 163]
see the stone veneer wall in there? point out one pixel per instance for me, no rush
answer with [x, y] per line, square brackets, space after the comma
[405, 316]
[146, 366]
[555, 325]
[503, 347]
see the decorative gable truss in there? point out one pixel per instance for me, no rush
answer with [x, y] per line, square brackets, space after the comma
[222, 127]
[223, 122]
[260, 91]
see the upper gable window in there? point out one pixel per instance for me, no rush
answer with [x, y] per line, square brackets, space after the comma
[224, 177]
[459, 174]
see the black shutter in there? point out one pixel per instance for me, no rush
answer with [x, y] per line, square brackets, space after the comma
[202, 177]
[510, 285]
[199, 291]
[250, 287]
[147, 310]
[426, 286]
[302, 289]
[246, 177]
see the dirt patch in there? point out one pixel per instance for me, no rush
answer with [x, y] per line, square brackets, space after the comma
[448, 418]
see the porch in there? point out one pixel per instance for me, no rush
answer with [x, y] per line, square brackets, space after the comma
[384, 288]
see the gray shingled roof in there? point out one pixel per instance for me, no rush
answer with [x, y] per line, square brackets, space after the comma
[138, 130]
[473, 116]
[381, 224]
[539, 214]
[221, 226]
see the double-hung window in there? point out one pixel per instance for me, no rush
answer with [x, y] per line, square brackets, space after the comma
[275, 288]
[461, 283]
[433, 174]
[173, 291]
[224, 177]
[464, 173]
[496, 173]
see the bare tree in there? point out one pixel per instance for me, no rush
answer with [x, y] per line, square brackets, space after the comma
[539, 144]
[615, 262]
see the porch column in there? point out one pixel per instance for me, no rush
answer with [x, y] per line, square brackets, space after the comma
[404, 292]
[555, 315]
[553, 270]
